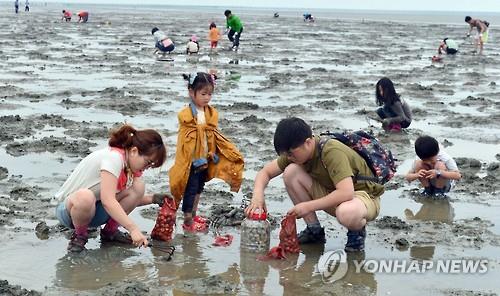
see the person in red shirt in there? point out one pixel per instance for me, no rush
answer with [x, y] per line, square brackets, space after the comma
[83, 16]
[66, 15]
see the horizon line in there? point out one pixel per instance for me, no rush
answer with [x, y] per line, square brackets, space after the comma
[267, 7]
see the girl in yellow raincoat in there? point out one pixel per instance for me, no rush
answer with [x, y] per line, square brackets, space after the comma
[202, 151]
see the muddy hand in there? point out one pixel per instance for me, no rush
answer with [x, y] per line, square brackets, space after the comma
[422, 173]
[431, 174]
[138, 239]
[300, 210]
[256, 204]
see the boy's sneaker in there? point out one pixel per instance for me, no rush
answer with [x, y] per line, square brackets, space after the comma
[117, 236]
[355, 240]
[439, 194]
[426, 192]
[77, 243]
[312, 236]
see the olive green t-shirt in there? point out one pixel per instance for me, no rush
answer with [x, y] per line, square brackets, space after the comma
[341, 162]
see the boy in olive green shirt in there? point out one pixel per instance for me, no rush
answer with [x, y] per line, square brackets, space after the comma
[236, 28]
[316, 182]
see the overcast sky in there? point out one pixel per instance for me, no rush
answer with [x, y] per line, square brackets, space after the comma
[442, 5]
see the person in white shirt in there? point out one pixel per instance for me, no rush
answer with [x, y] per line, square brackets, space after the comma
[162, 42]
[106, 186]
[435, 169]
[193, 47]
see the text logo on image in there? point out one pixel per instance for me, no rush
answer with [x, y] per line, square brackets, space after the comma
[332, 265]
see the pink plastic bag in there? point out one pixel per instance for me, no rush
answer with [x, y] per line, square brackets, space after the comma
[289, 242]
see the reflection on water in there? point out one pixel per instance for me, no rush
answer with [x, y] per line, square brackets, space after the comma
[93, 269]
[253, 272]
[422, 252]
[432, 210]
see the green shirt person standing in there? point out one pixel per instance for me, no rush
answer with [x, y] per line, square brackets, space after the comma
[233, 23]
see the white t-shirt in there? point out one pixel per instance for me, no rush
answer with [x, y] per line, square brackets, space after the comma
[200, 119]
[444, 157]
[200, 115]
[88, 172]
[159, 36]
[192, 47]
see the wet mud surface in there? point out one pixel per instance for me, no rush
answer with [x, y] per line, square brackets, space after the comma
[59, 98]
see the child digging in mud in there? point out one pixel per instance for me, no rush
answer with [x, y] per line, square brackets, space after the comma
[106, 186]
[435, 169]
[395, 113]
[193, 47]
[202, 152]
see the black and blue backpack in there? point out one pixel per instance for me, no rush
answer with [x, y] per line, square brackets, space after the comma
[378, 158]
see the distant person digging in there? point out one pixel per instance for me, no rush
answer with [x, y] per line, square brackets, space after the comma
[83, 16]
[193, 47]
[482, 32]
[66, 15]
[163, 44]
[446, 46]
[309, 18]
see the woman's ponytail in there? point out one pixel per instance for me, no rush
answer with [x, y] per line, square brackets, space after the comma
[122, 137]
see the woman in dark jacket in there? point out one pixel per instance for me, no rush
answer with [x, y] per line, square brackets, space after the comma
[395, 112]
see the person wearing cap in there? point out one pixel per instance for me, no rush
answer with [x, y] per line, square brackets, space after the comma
[233, 23]
[193, 47]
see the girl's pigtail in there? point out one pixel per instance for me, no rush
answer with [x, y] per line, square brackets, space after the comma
[213, 78]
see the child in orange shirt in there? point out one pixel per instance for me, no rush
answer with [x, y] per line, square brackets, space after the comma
[203, 153]
[213, 35]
